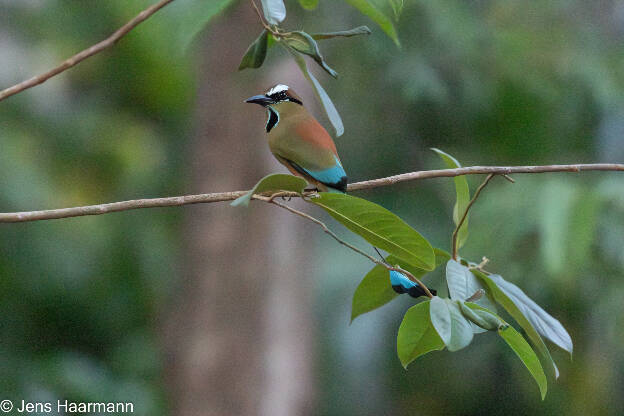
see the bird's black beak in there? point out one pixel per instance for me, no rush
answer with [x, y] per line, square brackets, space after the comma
[263, 100]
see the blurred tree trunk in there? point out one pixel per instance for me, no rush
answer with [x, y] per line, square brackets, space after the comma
[239, 339]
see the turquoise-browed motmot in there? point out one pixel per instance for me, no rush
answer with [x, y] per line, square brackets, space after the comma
[299, 142]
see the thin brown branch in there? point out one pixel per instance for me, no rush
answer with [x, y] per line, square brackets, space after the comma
[229, 196]
[463, 218]
[81, 56]
[262, 21]
[344, 243]
[499, 170]
[323, 226]
[275, 30]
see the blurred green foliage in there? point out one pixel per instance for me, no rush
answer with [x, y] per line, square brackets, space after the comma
[491, 82]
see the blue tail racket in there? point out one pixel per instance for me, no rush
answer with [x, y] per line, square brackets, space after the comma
[402, 284]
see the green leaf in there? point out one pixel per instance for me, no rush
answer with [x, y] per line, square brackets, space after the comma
[275, 182]
[380, 227]
[502, 299]
[375, 290]
[463, 196]
[455, 330]
[481, 316]
[360, 30]
[192, 16]
[582, 227]
[256, 53]
[441, 257]
[274, 11]
[367, 8]
[327, 103]
[271, 41]
[513, 338]
[524, 351]
[309, 4]
[302, 42]
[567, 225]
[416, 335]
[397, 8]
[462, 285]
[372, 292]
[544, 323]
[555, 206]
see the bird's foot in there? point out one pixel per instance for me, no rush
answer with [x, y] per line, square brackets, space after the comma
[283, 195]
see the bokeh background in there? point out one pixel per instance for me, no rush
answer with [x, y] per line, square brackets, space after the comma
[214, 310]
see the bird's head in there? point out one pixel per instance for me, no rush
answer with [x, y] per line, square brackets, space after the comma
[280, 96]
[277, 94]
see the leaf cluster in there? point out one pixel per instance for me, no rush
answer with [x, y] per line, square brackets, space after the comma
[299, 44]
[435, 323]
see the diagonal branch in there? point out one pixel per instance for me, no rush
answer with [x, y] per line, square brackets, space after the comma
[81, 56]
[230, 196]
[463, 218]
[348, 245]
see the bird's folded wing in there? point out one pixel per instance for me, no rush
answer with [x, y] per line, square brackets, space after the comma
[334, 177]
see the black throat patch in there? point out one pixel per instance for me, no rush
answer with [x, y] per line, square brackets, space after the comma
[273, 119]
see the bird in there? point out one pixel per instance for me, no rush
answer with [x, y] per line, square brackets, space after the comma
[299, 142]
[401, 284]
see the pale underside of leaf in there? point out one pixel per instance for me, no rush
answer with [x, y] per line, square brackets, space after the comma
[502, 299]
[454, 329]
[463, 284]
[546, 325]
[274, 11]
[304, 43]
[328, 105]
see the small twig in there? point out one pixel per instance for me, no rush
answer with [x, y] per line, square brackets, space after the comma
[463, 218]
[172, 201]
[262, 21]
[81, 56]
[379, 253]
[281, 194]
[484, 262]
[275, 31]
[344, 243]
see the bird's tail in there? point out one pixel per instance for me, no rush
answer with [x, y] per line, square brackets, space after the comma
[401, 284]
